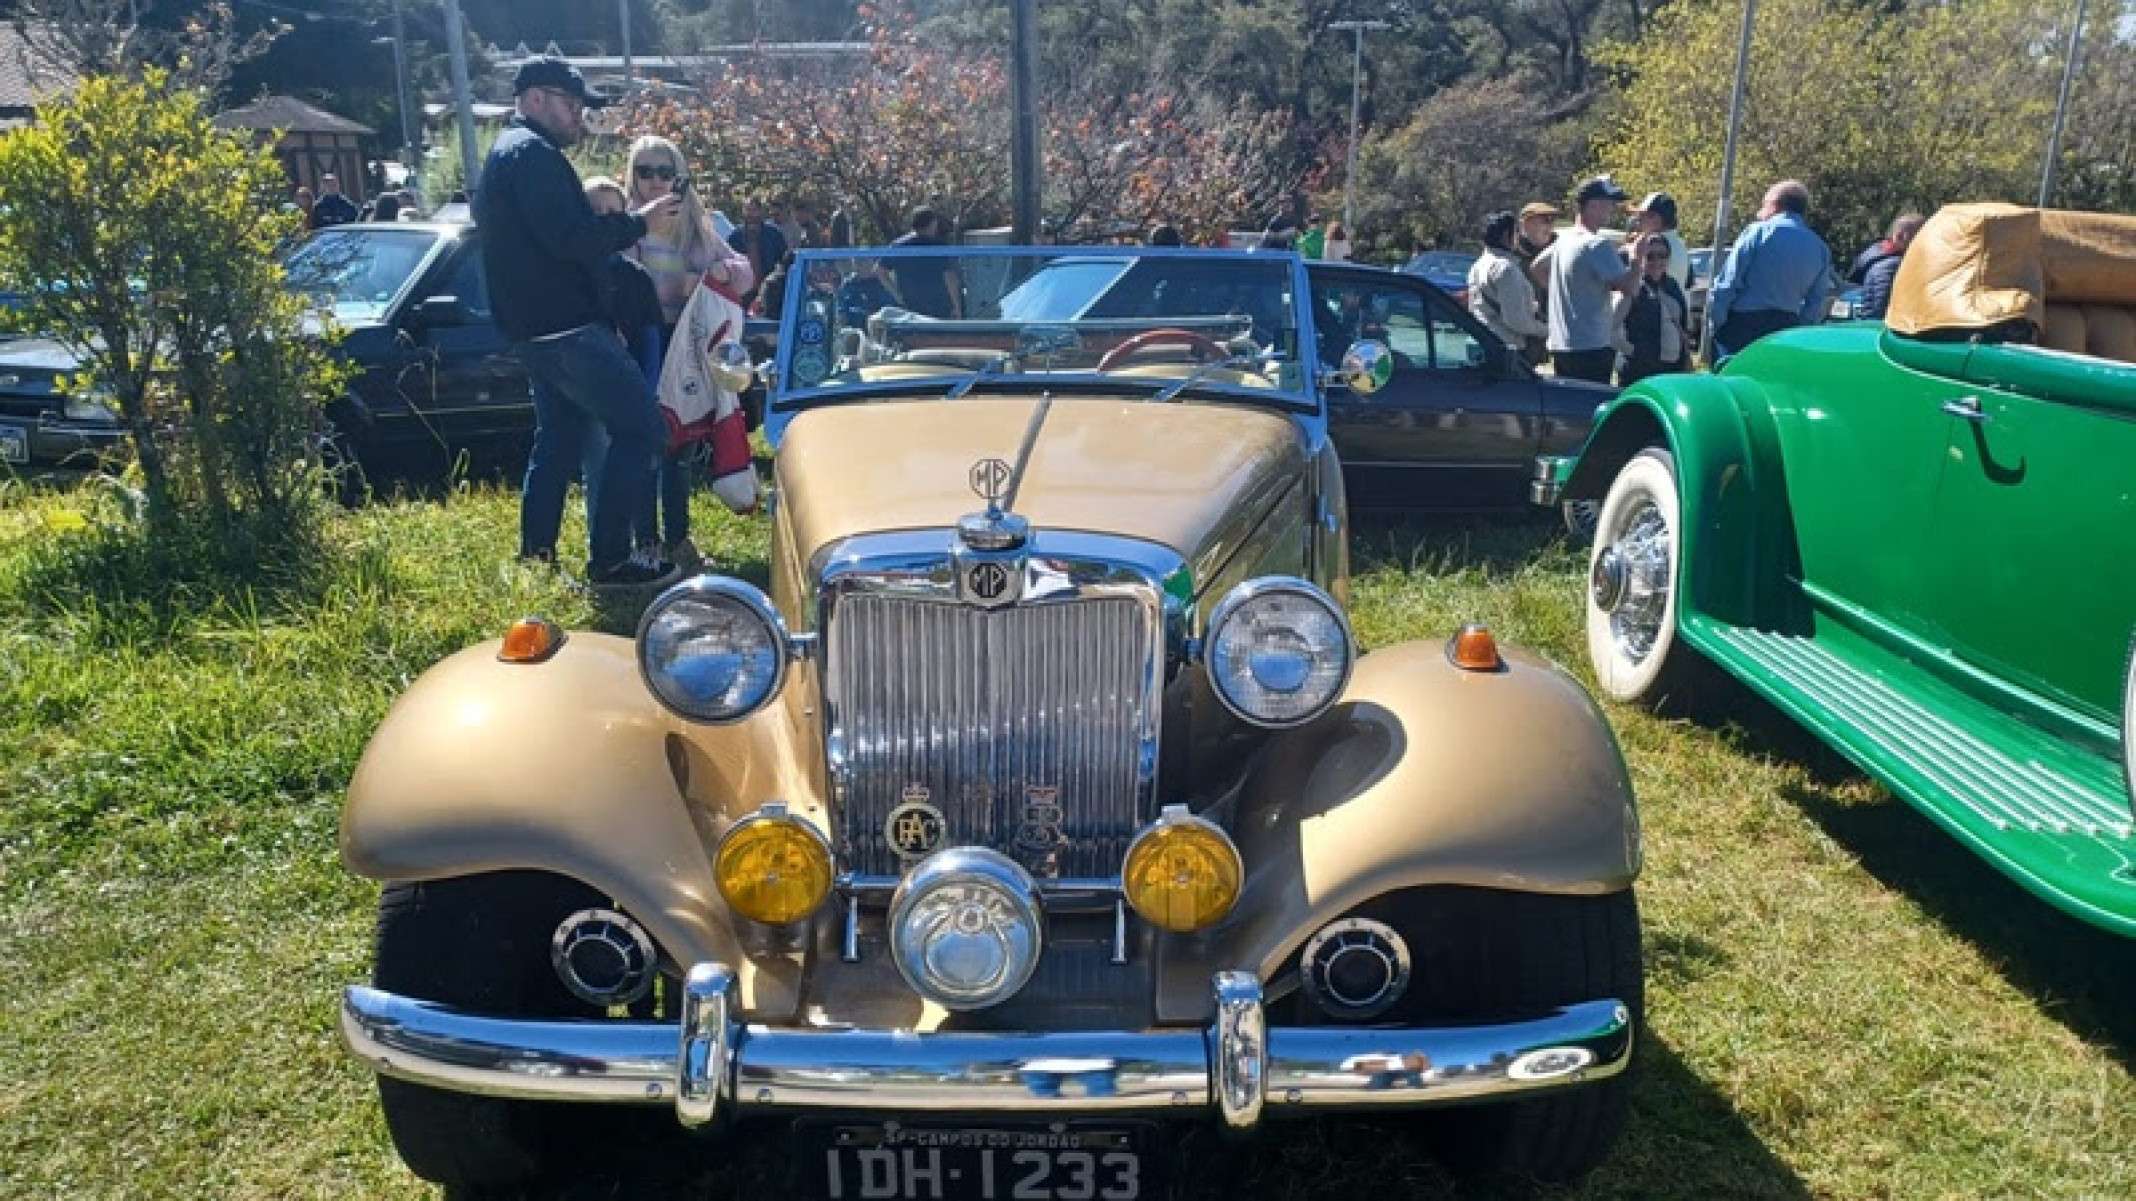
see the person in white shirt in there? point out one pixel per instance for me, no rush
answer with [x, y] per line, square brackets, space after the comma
[1499, 294]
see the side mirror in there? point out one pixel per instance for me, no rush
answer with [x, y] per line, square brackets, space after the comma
[1367, 366]
[437, 312]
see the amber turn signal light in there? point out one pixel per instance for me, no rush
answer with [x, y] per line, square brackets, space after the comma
[1473, 649]
[530, 640]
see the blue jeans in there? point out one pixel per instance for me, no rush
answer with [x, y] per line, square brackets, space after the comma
[584, 382]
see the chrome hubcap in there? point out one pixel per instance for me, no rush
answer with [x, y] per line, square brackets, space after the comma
[1630, 581]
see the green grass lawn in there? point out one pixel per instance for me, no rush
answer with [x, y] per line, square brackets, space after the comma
[1842, 1003]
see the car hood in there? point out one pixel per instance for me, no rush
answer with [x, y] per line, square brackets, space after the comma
[1196, 478]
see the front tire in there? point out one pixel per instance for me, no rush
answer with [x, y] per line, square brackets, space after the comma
[481, 943]
[1493, 953]
[1633, 577]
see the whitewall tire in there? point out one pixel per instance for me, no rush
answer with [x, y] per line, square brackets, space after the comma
[1632, 582]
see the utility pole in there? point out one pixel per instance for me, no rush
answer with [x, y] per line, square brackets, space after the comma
[1023, 142]
[400, 87]
[1722, 214]
[623, 17]
[462, 95]
[1357, 70]
[2061, 108]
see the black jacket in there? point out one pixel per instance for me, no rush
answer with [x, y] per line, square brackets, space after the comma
[1874, 271]
[544, 249]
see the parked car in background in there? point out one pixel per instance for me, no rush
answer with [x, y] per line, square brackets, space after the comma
[1446, 269]
[1459, 423]
[436, 377]
[1042, 800]
[1917, 538]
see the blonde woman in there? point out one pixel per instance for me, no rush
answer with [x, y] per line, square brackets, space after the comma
[679, 249]
[679, 246]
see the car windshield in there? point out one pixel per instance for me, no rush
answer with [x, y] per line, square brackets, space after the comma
[357, 272]
[1203, 324]
[1441, 262]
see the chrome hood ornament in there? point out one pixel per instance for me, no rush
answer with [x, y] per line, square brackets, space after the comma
[996, 482]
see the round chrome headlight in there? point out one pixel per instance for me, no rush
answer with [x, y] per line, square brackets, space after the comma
[713, 649]
[1278, 651]
[965, 928]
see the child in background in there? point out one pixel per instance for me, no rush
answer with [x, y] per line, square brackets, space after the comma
[635, 307]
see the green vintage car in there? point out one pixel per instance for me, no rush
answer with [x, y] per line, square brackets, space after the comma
[1917, 538]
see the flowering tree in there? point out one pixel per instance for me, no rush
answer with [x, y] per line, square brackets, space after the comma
[907, 125]
[915, 123]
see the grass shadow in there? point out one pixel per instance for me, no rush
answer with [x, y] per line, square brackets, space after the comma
[1684, 1140]
[121, 582]
[2077, 974]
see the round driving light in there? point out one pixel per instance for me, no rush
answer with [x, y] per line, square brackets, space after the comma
[1278, 651]
[773, 867]
[713, 649]
[966, 928]
[1182, 872]
[1355, 968]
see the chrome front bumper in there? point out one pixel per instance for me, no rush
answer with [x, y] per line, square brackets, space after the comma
[711, 1065]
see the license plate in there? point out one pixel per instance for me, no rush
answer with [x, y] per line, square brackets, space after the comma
[894, 1162]
[14, 444]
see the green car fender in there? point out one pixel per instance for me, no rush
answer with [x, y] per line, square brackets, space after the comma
[1738, 539]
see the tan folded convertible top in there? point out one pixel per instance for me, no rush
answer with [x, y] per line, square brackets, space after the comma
[1974, 266]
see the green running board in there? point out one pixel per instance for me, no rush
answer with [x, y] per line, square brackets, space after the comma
[2051, 815]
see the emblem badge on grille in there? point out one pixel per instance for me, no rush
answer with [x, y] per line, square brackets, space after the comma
[915, 827]
[989, 581]
[1040, 830]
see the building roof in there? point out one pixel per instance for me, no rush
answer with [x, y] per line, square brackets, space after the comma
[289, 114]
[27, 78]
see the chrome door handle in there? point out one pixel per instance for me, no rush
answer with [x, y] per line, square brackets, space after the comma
[1966, 408]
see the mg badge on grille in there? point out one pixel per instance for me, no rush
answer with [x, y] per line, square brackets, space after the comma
[915, 827]
[989, 581]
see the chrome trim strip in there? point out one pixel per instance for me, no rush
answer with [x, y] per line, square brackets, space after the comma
[750, 1067]
[1069, 893]
[705, 1052]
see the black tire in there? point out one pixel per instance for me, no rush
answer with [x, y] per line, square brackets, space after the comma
[482, 943]
[1483, 955]
[343, 463]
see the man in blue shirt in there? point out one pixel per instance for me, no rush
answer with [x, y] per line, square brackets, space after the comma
[1778, 275]
[546, 253]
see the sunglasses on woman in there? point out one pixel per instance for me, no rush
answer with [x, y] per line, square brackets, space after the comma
[648, 171]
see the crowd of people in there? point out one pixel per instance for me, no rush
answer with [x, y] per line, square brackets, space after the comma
[1602, 306]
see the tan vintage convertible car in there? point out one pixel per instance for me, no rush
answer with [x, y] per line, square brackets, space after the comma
[1042, 800]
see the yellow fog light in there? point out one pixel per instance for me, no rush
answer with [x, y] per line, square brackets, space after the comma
[1182, 872]
[773, 867]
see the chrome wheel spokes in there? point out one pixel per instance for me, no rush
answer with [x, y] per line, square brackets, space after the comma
[1631, 581]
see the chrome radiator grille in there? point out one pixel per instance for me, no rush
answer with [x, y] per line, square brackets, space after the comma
[1025, 727]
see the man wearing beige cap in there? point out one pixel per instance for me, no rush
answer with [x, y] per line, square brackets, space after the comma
[1536, 235]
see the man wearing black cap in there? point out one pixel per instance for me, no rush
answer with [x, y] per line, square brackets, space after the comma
[1585, 268]
[544, 251]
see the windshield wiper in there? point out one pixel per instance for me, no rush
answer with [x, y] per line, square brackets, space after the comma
[1237, 362]
[993, 371]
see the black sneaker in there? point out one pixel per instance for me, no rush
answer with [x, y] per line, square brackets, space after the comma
[631, 573]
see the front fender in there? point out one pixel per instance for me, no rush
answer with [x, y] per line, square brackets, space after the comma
[1423, 774]
[1738, 541]
[571, 766]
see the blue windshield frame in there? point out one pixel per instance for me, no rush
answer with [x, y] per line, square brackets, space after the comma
[1309, 405]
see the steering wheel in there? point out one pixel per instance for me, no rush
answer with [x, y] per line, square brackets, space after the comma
[1169, 336]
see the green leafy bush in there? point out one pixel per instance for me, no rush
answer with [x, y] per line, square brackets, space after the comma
[146, 241]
